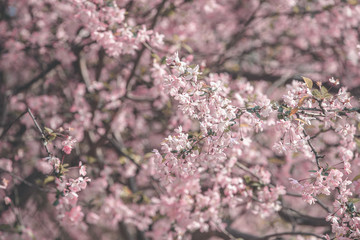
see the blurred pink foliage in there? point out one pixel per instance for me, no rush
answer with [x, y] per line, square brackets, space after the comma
[179, 119]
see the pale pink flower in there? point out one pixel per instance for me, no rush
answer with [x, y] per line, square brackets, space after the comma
[92, 218]
[4, 184]
[334, 178]
[75, 215]
[333, 81]
[82, 170]
[6, 164]
[68, 145]
[67, 149]
[332, 218]
[309, 199]
[7, 200]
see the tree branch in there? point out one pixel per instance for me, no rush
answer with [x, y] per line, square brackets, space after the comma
[50, 67]
[43, 137]
[10, 125]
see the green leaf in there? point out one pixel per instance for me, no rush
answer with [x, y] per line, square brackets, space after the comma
[48, 130]
[122, 160]
[187, 48]
[155, 56]
[350, 207]
[255, 184]
[354, 200]
[281, 109]
[91, 159]
[5, 228]
[277, 161]
[327, 95]
[247, 179]
[56, 202]
[49, 179]
[352, 2]
[52, 136]
[163, 60]
[323, 90]
[316, 93]
[308, 81]
[357, 177]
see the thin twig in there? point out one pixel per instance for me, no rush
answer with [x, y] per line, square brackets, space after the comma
[246, 169]
[321, 204]
[41, 75]
[317, 156]
[292, 234]
[321, 131]
[121, 150]
[141, 51]
[10, 125]
[341, 111]
[27, 182]
[41, 132]
[84, 73]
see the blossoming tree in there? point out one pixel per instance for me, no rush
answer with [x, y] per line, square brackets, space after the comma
[179, 119]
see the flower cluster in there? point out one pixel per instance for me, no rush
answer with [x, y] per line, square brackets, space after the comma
[186, 158]
[68, 145]
[228, 132]
[67, 197]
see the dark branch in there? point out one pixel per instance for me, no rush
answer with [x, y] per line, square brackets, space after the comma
[50, 67]
[10, 125]
[40, 130]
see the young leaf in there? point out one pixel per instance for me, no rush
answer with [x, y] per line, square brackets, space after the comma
[48, 130]
[357, 177]
[308, 81]
[354, 200]
[6, 228]
[52, 136]
[300, 120]
[293, 111]
[49, 179]
[56, 202]
[316, 93]
[301, 102]
[323, 90]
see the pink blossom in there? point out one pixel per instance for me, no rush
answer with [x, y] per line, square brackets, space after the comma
[92, 218]
[68, 145]
[7, 200]
[4, 184]
[67, 149]
[82, 170]
[6, 164]
[75, 215]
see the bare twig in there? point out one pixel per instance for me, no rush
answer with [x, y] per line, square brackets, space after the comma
[84, 73]
[141, 51]
[317, 156]
[291, 234]
[237, 234]
[27, 182]
[10, 125]
[40, 130]
[320, 203]
[41, 75]
[120, 150]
